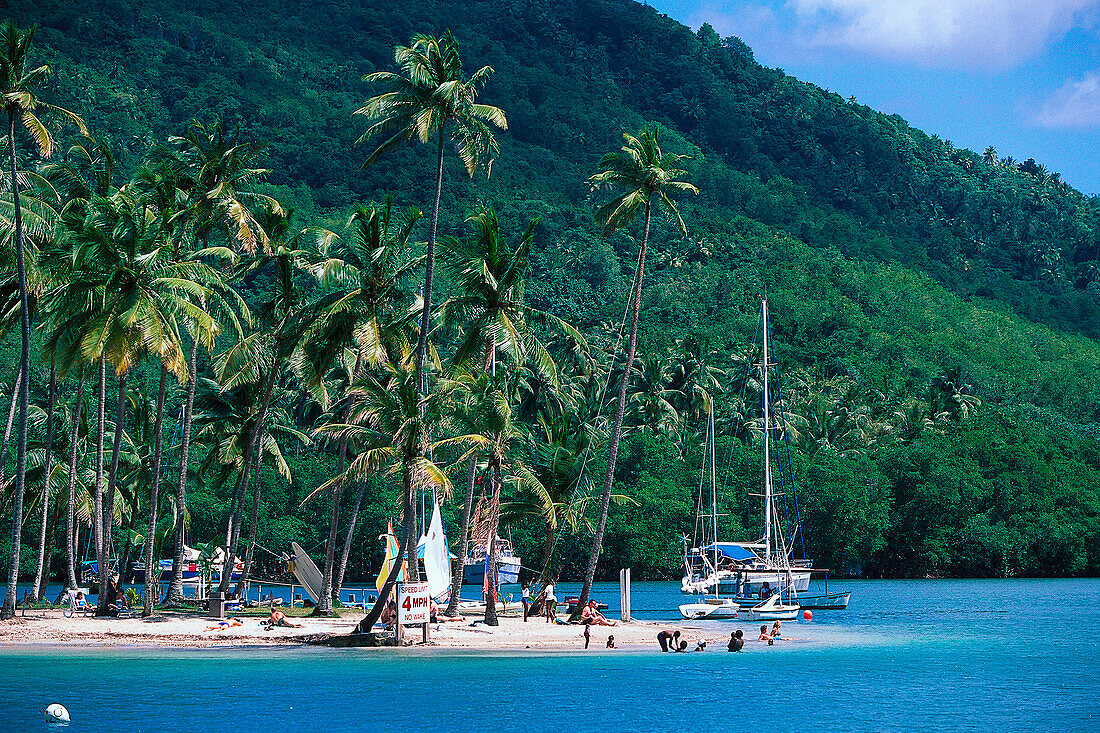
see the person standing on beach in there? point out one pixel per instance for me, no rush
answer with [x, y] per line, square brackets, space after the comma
[550, 601]
[587, 634]
[526, 600]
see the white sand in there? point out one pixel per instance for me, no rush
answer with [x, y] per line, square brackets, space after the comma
[190, 630]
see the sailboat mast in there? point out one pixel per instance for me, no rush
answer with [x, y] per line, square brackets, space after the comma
[767, 442]
[713, 495]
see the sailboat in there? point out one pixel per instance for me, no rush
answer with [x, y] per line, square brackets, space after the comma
[715, 606]
[750, 573]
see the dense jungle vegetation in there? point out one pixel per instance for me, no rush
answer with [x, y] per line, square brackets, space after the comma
[935, 310]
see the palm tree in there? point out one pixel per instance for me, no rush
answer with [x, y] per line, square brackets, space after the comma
[364, 274]
[390, 426]
[432, 96]
[491, 313]
[17, 83]
[214, 171]
[642, 172]
[261, 356]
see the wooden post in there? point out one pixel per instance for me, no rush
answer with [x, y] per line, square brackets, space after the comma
[398, 626]
[624, 594]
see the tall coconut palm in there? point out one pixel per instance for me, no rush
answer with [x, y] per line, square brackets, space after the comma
[491, 313]
[364, 274]
[214, 171]
[390, 425]
[18, 79]
[432, 97]
[262, 355]
[646, 176]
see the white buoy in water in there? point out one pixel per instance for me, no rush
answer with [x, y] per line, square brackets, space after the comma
[56, 713]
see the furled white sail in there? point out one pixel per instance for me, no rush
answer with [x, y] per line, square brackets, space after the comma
[437, 562]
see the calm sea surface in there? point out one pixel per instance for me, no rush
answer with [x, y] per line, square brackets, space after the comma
[981, 655]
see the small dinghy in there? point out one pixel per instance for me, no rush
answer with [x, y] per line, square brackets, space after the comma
[710, 608]
[773, 609]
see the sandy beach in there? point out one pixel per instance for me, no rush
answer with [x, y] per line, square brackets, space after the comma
[194, 630]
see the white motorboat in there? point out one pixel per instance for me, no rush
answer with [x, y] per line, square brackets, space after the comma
[710, 608]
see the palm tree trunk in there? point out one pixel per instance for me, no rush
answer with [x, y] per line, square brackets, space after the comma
[429, 271]
[51, 538]
[339, 581]
[97, 519]
[109, 499]
[11, 421]
[242, 491]
[467, 510]
[254, 517]
[175, 586]
[328, 591]
[70, 540]
[494, 550]
[548, 554]
[409, 527]
[40, 571]
[152, 565]
[8, 610]
[617, 430]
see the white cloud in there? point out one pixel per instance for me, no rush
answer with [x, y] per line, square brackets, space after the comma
[991, 34]
[1074, 105]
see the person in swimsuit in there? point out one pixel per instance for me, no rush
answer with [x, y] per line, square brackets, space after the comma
[591, 615]
[587, 634]
[278, 618]
[611, 642]
[737, 641]
[777, 629]
[764, 635]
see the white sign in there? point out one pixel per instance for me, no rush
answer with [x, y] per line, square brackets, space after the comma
[413, 605]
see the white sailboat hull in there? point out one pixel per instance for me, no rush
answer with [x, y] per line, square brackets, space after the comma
[710, 608]
[773, 609]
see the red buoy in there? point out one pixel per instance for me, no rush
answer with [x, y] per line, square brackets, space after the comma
[808, 615]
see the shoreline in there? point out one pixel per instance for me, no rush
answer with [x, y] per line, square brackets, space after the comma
[174, 630]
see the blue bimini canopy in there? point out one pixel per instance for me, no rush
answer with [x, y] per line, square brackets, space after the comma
[731, 550]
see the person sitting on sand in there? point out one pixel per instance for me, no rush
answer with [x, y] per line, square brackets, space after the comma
[611, 642]
[278, 618]
[777, 629]
[226, 624]
[591, 615]
[668, 639]
[737, 641]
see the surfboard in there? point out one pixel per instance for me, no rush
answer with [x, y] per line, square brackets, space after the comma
[305, 570]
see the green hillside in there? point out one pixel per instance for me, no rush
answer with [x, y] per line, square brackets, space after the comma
[935, 309]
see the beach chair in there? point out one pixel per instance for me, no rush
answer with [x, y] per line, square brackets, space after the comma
[77, 605]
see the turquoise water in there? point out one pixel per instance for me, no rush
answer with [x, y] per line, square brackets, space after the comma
[907, 655]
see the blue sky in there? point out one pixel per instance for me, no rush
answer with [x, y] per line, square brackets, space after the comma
[1020, 75]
